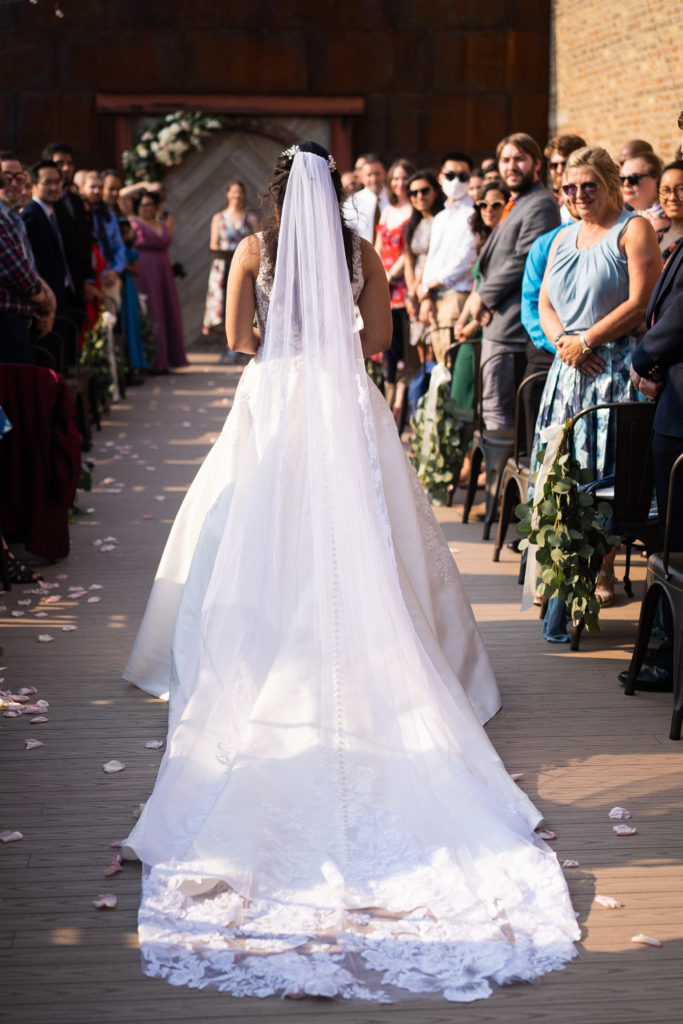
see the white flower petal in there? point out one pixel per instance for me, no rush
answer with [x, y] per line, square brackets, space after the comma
[646, 940]
[619, 814]
[10, 836]
[113, 766]
[105, 901]
[608, 902]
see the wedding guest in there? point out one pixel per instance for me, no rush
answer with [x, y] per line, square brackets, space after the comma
[105, 230]
[489, 168]
[152, 239]
[475, 184]
[350, 182]
[639, 177]
[496, 305]
[633, 148]
[390, 246]
[556, 153]
[600, 275]
[23, 296]
[427, 200]
[112, 182]
[130, 305]
[363, 210]
[11, 199]
[670, 193]
[228, 227]
[447, 276]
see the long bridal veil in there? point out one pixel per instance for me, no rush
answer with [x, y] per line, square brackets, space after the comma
[329, 816]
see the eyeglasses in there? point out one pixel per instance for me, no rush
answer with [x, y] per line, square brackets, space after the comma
[18, 178]
[419, 191]
[483, 205]
[664, 193]
[587, 189]
[633, 179]
[460, 175]
[556, 165]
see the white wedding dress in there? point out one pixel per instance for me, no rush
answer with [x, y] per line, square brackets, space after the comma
[330, 817]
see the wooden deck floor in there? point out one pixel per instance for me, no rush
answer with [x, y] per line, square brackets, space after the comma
[583, 746]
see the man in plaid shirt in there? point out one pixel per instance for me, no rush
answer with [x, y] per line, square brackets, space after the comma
[23, 296]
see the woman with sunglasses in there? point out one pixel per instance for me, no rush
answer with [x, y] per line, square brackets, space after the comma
[671, 198]
[600, 274]
[639, 177]
[426, 199]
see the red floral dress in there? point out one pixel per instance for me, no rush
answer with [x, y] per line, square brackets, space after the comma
[392, 245]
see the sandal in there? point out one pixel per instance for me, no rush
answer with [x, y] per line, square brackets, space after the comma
[604, 591]
[18, 572]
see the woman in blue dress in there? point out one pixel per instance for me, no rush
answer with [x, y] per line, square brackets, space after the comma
[600, 274]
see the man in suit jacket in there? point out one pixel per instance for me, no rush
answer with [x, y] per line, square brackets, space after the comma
[657, 371]
[496, 304]
[50, 254]
[74, 224]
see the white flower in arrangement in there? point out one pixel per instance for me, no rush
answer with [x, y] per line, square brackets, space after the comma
[142, 151]
[185, 125]
[155, 147]
[147, 136]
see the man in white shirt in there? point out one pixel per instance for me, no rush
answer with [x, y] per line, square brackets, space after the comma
[363, 210]
[447, 276]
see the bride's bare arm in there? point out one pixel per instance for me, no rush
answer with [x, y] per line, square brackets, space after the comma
[373, 303]
[240, 304]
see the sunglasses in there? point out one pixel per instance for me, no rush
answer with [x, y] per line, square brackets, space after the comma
[664, 193]
[633, 179]
[588, 189]
[557, 164]
[9, 177]
[460, 175]
[483, 205]
[413, 192]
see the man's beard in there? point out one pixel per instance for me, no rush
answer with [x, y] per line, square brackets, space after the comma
[525, 184]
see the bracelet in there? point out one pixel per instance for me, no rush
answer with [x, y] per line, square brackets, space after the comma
[557, 338]
[585, 347]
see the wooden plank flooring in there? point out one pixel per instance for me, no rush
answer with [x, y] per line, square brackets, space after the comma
[583, 746]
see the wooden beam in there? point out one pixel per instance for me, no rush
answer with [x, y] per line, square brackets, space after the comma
[214, 103]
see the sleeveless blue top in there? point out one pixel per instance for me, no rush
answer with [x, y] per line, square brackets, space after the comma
[585, 285]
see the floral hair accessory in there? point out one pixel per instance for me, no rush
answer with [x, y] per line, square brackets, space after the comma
[293, 150]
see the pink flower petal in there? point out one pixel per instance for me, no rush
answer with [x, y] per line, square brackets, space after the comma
[38, 720]
[546, 833]
[44, 638]
[10, 836]
[41, 615]
[624, 830]
[646, 940]
[17, 615]
[160, 497]
[27, 602]
[113, 766]
[108, 480]
[516, 776]
[619, 814]
[69, 628]
[52, 599]
[28, 691]
[97, 543]
[63, 576]
[95, 586]
[19, 698]
[114, 867]
[11, 714]
[31, 744]
[105, 901]
[148, 515]
[108, 547]
[116, 843]
[42, 703]
[608, 902]
[570, 864]
[94, 600]
[154, 744]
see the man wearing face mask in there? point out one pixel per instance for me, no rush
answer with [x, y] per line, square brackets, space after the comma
[447, 277]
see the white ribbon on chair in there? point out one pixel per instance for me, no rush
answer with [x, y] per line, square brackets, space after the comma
[439, 375]
[552, 436]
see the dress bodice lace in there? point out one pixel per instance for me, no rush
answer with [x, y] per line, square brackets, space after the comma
[264, 280]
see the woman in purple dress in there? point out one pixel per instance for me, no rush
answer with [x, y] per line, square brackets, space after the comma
[152, 240]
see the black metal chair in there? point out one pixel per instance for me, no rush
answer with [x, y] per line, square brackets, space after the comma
[493, 447]
[466, 415]
[517, 471]
[665, 580]
[630, 494]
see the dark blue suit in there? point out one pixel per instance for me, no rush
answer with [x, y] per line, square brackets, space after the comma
[661, 350]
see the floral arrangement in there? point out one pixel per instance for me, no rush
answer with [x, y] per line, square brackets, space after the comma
[95, 356]
[568, 527]
[168, 141]
[446, 448]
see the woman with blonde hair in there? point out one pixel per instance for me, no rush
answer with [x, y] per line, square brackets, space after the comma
[600, 274]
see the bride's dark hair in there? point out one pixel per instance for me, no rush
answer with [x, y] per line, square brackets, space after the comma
[277, 189]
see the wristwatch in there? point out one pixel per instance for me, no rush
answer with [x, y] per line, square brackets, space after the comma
[585, 347]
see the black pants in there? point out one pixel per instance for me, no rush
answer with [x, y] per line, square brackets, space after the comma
[15, 339]
[537, 359]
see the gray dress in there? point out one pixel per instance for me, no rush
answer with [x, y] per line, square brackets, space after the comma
[584, 285]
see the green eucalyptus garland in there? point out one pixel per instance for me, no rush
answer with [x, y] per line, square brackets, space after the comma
[567, 525]
[95, 355]
[446, 447]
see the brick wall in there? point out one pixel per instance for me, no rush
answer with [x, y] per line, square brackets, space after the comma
[617, 71]
[435, 74]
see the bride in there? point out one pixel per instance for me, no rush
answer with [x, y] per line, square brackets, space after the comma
[330, 818]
